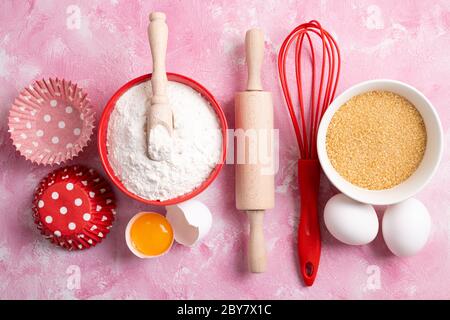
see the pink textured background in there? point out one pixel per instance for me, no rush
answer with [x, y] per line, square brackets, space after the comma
[404, 40]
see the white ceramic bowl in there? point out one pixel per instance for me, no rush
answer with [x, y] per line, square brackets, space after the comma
[427, 167]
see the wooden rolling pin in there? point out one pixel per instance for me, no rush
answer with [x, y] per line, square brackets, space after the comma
[255, 179]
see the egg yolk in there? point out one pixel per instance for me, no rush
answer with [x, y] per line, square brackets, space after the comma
[151, 234]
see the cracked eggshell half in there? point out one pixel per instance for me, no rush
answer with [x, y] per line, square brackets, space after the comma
[190, 220]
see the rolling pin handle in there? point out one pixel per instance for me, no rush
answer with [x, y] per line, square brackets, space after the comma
[254, 55]
[256, 246]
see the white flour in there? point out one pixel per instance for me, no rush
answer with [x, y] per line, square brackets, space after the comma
[196, 143]
[160, 143]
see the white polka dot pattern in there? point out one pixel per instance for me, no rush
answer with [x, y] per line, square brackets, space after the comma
[70, 213]
[53, 120]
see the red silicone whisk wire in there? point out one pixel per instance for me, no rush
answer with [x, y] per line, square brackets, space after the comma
[327, 82]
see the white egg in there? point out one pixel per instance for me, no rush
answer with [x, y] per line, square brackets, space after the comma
[349, 221]
[406, 227]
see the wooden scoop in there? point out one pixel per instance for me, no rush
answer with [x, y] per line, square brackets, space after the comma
[159, 113]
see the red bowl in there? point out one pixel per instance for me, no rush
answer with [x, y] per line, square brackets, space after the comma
[103, 131]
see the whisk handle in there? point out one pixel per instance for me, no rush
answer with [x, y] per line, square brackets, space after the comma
[308, 230]
[254, 55]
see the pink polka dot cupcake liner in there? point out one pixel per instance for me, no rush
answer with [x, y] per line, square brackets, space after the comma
[74, 207]
[51, 121]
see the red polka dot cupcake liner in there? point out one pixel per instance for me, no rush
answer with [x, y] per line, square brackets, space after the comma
[74, 207]
[51, 121]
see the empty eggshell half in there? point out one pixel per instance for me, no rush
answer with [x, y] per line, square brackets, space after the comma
[190, 220]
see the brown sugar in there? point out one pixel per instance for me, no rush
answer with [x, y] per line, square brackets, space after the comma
[376, 140]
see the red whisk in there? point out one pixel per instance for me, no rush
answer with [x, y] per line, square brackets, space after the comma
[306, 131]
